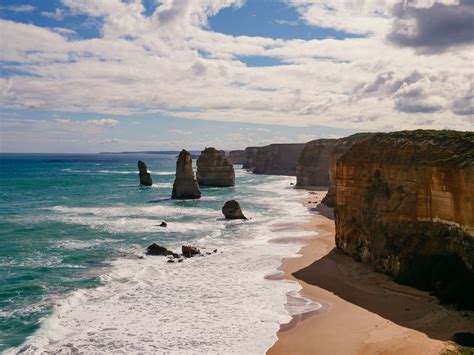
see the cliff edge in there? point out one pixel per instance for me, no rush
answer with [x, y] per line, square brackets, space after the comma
[405, 204]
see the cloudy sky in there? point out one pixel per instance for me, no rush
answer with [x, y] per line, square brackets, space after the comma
[95, 75]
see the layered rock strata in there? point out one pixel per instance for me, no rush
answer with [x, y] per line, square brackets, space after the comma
[277, 159]
[405, 204]
[213, 169]
[185, 185]
[144, 175]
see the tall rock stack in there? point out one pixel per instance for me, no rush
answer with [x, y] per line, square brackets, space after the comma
[405, 204]
[185, 185]
[277, 159]
[250, 154]
[145, 177]
[213, 169]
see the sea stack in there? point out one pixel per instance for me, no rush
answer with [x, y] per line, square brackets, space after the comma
[145, 177]
[213, 169]
[185, 185]
[405, 204]
[237, 157]
[232, 210]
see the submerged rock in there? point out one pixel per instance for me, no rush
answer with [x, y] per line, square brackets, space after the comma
[185, 185]
[145, 177]
[232, 210]
[189, 251]
[213, 169]
[156, 249]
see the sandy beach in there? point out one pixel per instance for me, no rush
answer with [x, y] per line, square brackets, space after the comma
[363, 312]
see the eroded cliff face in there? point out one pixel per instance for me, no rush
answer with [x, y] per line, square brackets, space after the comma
[340, 147]
[312, 168]
[277, 159]
[237, 157]
[213, 169]
[405, 204]
[250, 154]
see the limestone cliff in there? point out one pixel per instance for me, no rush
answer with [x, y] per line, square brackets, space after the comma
[144, 175]
[312, 168]
[405, 204]
[250, 153]
[277, 159]
[213, 169]
[237, 157]
[341, 146]
[185, 185]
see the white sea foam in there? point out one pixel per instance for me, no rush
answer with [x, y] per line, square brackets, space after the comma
[220, 303]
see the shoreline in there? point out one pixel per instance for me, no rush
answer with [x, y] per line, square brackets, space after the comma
[364, 312]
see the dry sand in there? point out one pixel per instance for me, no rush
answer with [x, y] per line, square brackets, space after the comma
[363, 312]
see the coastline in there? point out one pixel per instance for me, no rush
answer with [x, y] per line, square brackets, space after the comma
[364, 312]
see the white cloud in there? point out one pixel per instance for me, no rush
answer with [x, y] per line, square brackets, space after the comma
[156, 64]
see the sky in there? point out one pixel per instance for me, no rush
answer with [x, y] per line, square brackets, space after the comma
[116, 75]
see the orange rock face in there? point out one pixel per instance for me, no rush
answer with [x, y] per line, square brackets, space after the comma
[405, 204]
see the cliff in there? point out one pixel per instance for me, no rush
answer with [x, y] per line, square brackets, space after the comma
[250, 154]
[405, 204]
[237, 157]
[312, 167]
[340, 147]
[213, 169]
[185, 185]
[277, 159]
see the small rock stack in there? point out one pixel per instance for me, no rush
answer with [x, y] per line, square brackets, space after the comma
[145, 177]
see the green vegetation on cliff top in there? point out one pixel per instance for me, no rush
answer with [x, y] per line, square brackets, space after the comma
[418, 147]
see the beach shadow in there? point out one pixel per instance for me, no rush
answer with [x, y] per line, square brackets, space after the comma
[358, 284]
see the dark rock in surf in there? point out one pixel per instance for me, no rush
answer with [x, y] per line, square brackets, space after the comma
[156, 249]
[163, 224]
[189, 251]
[145, 177]
[232, 210]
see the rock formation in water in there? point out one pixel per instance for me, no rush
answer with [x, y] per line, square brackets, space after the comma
[232, 210]
[312, 168]
[405, 204]
[156, 249]
[213, 169]
[237, 157]
[250, 154]
[185, 185]
[145, 177]
[277, 159]
[189, 251]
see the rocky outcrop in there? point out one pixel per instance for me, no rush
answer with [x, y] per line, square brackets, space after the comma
[405, 204]
[185, 185]
[145, 177]
[189, 251]
[277, 159]
[232, 210]
[156, 249]
[237, 157]
[341, 146]
[312, 167]
[250, 154]
[213, 169]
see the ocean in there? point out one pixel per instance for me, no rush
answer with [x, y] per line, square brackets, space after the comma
[73, 275]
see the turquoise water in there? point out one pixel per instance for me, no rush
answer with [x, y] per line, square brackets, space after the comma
[65, 220]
